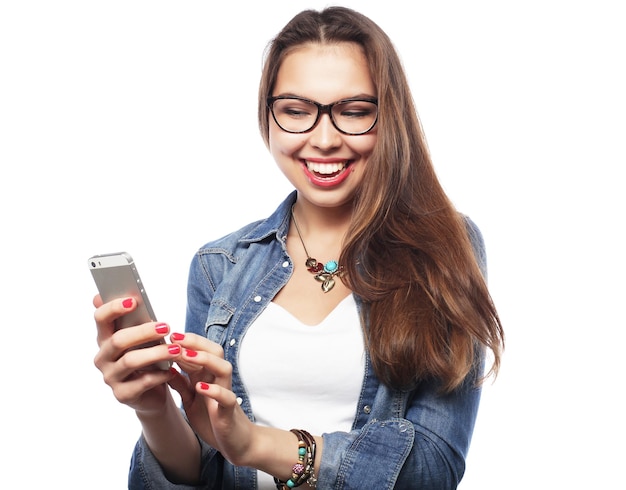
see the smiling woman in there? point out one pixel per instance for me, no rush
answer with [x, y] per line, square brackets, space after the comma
[150, 107]
[367, 255]
[322, 148]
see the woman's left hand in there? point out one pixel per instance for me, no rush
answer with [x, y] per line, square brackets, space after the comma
[208, 400]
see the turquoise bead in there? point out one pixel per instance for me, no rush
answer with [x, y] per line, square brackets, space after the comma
[302, 451]
[331, 266]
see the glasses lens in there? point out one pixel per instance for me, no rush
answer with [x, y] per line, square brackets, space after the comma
[355, 116]
[294, 115]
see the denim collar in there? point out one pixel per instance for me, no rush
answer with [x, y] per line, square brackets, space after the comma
[277, 224]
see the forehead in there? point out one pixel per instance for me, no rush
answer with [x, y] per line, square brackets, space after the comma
[325, 73]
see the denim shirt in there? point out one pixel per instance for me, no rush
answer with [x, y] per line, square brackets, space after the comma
[399, 439]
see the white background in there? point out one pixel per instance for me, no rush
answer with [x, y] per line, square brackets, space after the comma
[131, 125]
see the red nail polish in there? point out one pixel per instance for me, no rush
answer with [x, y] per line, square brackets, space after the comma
[204, 386]
[127, 303]
[191, 353]
[162, 328]
[174, 349]
[178, 336]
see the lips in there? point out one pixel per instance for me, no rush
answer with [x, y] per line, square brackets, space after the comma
[327, 174]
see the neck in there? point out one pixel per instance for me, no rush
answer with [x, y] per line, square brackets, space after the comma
[322, 232]
[325, 224]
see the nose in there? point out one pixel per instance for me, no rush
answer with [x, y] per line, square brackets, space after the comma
[324, 135]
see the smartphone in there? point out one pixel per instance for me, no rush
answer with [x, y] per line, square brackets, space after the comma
[116, 276]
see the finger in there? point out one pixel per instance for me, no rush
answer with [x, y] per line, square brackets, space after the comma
[117, 343]
[197, 343]
[182, 386]
[97, 301]
[217, 367]
[117, 364]
[225, 398]
[137, 384]
[189, 362]
[149, 333]
[188, 367]
[106, 314]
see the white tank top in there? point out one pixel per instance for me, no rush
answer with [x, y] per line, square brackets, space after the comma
[301, 376]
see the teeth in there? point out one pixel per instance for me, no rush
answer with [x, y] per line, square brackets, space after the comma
[325, 168]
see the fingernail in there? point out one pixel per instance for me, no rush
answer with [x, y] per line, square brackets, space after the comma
[173, 370]
[204, 386]
[174, 349]
[127, 303]
[178, 336]
[191, 353]
[162, 328]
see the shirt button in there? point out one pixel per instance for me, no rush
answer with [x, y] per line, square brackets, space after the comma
[286, 263]
[367, 409]
[257, 299]
[232, 342]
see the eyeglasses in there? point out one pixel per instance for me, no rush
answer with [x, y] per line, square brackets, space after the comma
[299, 115]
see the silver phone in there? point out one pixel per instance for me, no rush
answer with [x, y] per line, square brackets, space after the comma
[116, 276]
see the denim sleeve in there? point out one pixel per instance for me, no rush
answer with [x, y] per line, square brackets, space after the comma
[426, 449]
[199, 294]
[146, 472]
[478, 244]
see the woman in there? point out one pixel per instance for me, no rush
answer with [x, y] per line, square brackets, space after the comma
[357, 312]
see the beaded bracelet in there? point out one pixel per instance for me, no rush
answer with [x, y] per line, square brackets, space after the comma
[310, 440]
[303, 470]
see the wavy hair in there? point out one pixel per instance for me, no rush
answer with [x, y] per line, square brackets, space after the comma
[407, 253]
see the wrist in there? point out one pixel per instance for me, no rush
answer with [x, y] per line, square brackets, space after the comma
[286, 455]
[157, 412]
[270, 450]
[303, 471]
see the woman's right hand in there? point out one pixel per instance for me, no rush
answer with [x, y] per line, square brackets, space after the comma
[128, 371]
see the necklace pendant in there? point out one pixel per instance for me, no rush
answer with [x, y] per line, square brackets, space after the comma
[313, 266]
[325, 273]
[327, 280]
[332, 266]
[328, 284]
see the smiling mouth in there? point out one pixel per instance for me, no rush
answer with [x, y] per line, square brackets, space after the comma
[326, 170]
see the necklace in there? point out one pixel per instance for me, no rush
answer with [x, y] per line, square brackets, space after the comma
[324, 273]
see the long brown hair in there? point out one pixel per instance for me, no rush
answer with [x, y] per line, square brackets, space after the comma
[407, 253]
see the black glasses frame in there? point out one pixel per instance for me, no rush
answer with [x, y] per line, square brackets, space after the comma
[322, 109]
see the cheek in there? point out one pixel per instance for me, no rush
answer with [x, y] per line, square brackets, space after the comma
[283, 144]
[364, 146]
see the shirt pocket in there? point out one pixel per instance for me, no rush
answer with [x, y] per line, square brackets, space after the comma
[218, 317]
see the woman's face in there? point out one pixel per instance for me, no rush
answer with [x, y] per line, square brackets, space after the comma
[324, 165]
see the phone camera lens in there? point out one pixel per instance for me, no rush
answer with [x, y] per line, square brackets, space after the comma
[93, 264]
